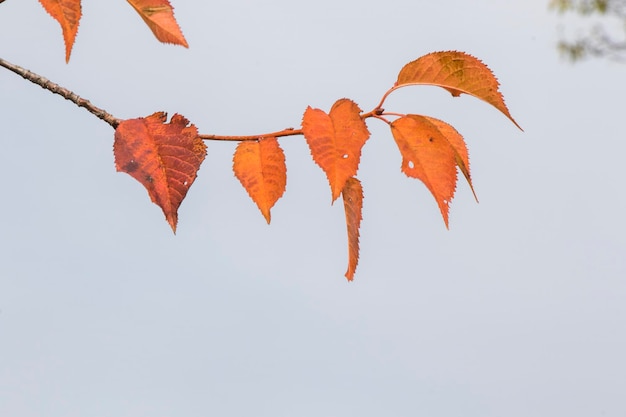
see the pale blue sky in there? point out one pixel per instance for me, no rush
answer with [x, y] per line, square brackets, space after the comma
[518, 310]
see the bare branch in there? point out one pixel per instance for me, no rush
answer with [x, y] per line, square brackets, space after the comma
[63, 92]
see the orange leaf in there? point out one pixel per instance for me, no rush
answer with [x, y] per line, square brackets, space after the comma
[458, 73]
[352, 194]
[159, 16]
[428, 156]
[260, 167]
[67, 13]
[335, 141]
[455, 140]
[164, 157]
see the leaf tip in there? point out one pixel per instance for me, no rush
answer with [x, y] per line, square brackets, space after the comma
[159, 16]
[445, 209]
[474, 193]
[67, 14]
[172, 223]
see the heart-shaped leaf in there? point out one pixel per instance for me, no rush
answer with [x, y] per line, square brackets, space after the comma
[164, 157]
[260, 167]
[335, 141]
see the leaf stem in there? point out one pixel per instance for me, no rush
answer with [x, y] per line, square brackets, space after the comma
[290, 131]
[63, 92]
[382, 100]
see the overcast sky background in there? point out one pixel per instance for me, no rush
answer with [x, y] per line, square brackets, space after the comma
[518, 310]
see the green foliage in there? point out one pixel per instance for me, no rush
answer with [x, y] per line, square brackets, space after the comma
[597, 40]
[584, 7]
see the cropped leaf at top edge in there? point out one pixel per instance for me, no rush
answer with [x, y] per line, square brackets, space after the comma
[163, 157]
[352, 195]
[335, 140]
[68, 14]
[458, 73]
[428, 156]
[260, 167]
[159, 16]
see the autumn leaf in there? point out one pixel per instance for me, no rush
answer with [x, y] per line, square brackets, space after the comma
[428, 156]
[67, 13]
[159, 16]
[454, 138]
[335, 141]
[164, 157]
[260, 167]
[352, 194]
[458, 73]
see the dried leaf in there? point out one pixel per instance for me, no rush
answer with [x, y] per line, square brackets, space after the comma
[159, 16]
[68, 14]
[335, 141]
[427, 156]
[164, 157]
[260, 167]
[458, 73]
[352, 194]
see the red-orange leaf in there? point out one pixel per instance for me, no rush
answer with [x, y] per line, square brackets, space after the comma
[352, 194]
[458, 73]
[427, 156]
[67, 13]
[159, 16]
[164, 157]
[335, 141]
[260, 167]
[455, 140]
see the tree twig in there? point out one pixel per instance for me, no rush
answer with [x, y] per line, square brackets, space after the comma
[290, 131]
[63, 92]
[114, 121]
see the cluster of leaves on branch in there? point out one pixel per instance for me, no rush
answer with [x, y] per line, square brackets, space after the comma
[165, 156]
[597, 41]
[158, 15]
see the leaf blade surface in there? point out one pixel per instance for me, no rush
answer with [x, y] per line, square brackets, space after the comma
[159, 16]
[163, 157]
[458, 145]
[352, 195]
[458, 73]
[260, 167]
[427, 156]
[68, 14]
[335, 140]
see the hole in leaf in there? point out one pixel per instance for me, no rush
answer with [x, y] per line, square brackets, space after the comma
[345, 156]
[411, 164]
